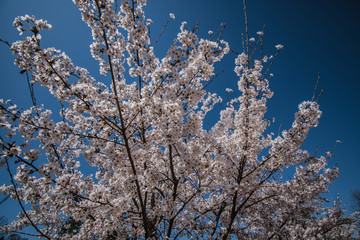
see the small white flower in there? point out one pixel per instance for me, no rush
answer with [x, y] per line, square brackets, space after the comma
[148, 22]
[228, 90]
[279, 46]
[210, 32]
[260, 33]
[252, 39]
[172, 15]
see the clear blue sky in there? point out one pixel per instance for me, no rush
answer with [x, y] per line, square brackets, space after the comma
[319, 36]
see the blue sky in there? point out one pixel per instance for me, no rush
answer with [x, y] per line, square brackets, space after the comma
[319, 36]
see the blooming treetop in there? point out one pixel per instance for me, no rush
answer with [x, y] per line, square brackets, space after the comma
[159, 173]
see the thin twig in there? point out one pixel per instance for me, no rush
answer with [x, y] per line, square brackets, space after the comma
[22, 206]
[271, 63]
[246, 32]
[162, 30]
[219, 30]
[316, 85]
[31, 89]
[6, 42]
[223, 25]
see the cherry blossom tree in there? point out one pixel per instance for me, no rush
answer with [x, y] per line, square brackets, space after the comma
[159, 174]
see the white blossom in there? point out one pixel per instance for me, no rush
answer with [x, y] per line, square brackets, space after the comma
[279, 46]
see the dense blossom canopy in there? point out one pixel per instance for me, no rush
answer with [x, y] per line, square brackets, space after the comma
[159, 174]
